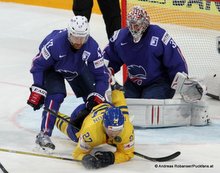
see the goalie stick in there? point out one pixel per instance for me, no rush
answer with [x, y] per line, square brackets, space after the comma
[3, 168]
[158, 159]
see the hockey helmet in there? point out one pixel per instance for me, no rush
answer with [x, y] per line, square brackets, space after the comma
[78, 31]
[137, 22]
[113, 120]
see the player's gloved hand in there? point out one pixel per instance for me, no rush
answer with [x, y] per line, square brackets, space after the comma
[106, 158]
[114, 84]
[90, 162]
[36, 98]
[117, 86]
[94, 99]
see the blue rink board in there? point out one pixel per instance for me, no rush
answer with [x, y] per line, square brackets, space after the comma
[31, 120]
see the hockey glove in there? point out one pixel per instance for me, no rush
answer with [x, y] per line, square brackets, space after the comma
[190, 89]
[36, 98]
[117, 86]
[90, 162]
[94, 99]
[106, 158]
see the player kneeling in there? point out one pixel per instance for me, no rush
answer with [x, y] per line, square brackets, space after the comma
[106, 123]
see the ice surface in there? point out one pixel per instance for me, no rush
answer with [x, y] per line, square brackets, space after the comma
[22, 29]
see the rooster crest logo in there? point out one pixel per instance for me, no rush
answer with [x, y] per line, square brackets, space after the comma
[137, 73]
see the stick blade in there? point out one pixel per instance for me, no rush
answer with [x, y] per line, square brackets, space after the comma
[159, 159]
[168, 158]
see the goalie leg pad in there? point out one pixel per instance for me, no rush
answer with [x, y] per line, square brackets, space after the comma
[200, 114]
[156, 113]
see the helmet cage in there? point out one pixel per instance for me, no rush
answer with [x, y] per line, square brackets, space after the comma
[137, 22]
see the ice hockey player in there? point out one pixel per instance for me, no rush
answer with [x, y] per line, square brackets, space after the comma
[152, 57]
[70, 54]
[107, 123]
[110, 11]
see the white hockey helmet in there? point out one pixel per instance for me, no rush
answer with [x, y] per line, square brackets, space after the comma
[78, 31]
[137, 22]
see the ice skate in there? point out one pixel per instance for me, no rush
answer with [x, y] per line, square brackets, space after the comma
[44, 142]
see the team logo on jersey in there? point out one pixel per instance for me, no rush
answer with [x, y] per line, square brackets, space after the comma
[85, 55]
[166, 38]
[136, 73]
[117, 139]
[68, 75]
[154, 41]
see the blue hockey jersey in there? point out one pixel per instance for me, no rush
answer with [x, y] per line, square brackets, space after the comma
[156, 56]
[56, 52]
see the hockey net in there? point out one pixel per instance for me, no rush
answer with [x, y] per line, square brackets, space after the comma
[193, 24]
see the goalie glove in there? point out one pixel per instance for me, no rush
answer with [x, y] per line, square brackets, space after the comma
[36, 98]
[190, 89]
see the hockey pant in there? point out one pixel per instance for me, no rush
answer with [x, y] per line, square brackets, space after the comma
[158, 90]
[52, 102]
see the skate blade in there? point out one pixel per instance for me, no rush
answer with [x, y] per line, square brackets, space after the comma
[44, 150]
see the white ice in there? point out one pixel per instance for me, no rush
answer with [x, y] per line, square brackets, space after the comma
[21, 30]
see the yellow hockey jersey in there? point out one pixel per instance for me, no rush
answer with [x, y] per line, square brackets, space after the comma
[92, 132]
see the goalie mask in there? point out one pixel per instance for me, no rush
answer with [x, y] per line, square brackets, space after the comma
[137, 22]
[78, 31]
[113, 121]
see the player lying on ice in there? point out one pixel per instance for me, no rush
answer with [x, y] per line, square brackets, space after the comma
[107, 123]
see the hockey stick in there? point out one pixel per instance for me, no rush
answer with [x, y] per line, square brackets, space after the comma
[3, 168]
[35, 154]
[159, 159]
